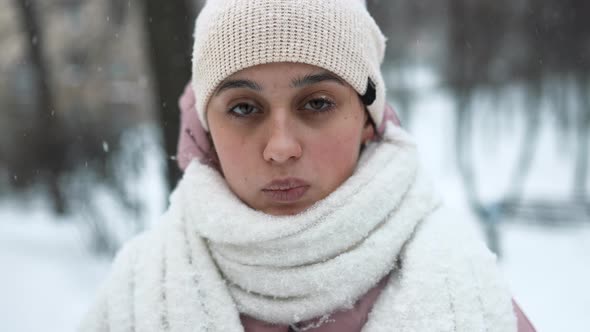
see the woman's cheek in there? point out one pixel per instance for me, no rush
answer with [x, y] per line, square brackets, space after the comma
[231, 157]
[336, 158]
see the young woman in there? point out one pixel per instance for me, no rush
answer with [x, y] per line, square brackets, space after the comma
[308, 210]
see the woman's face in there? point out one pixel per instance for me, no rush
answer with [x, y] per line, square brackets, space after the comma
[286, 134]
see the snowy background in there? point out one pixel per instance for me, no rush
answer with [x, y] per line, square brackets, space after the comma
[49, 277]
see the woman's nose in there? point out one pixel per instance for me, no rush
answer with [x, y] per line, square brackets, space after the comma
[283, 144]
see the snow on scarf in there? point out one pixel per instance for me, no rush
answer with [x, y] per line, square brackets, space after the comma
[213, 258]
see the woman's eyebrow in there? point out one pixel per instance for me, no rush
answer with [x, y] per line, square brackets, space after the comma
[315, 78]
[238, 84]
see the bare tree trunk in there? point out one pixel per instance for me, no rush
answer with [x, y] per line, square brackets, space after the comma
[581, 171]
[529, 142]
[490, 215]
[169, 32]
[51, 155]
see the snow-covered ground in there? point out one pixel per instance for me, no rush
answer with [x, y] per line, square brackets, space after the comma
[549, 270]
[48, 277]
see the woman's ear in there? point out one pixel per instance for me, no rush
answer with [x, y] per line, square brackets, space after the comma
[368, 133]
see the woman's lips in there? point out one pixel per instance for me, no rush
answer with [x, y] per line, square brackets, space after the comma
[286, 190]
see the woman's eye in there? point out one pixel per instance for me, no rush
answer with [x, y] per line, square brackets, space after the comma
[318, 105]
[243, 110]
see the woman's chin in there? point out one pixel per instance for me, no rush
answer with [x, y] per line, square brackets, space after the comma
[285, 209]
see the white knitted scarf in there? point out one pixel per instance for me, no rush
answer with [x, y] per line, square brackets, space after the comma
[214, 258]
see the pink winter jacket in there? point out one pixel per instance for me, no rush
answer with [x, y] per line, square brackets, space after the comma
[193, 143]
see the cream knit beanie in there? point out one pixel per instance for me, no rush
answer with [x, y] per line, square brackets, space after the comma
[337, 35]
